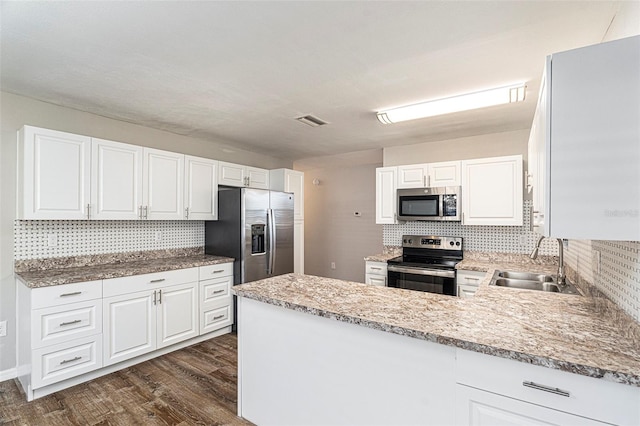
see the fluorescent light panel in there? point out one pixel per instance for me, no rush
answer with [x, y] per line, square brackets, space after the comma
[485, 98]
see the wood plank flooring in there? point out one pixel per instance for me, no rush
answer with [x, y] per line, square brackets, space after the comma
[196, 385]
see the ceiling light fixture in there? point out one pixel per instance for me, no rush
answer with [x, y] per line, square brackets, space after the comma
[484, 98]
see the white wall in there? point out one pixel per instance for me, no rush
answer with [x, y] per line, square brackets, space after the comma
[16, 111]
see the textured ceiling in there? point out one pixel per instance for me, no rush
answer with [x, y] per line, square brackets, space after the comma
[242, 71]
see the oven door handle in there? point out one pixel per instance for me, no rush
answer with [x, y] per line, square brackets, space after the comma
[422, 271]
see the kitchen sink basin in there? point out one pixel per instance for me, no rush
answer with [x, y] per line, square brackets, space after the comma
[531, 281]
[528, 276]
[527, 284]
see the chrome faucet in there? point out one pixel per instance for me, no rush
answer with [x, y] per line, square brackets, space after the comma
[562, 278]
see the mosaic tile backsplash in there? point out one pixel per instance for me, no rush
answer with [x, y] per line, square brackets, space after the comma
[32, 238]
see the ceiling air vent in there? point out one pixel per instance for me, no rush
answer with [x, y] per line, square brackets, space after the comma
[312, 121]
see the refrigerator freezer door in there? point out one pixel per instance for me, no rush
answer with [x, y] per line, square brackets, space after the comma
[255, 204]
[282, 209]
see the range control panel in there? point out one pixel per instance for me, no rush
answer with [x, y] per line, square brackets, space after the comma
[432, 242]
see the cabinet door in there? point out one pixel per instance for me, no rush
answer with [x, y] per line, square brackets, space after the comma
[163, 185]
[466, 291]
[412, 176]
[177, 313]
[116, 180]
[492, 191]
[55, 174]
[479, 408]
[444, 174]
[386, 195]
[298, 246]
[294, 182]
[378, 280]
[129, 326]
[231, 174]
[201, 188]
[539, 158]
[258, 178]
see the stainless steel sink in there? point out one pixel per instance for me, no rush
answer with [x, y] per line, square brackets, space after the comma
[531, 281]
[527, 276]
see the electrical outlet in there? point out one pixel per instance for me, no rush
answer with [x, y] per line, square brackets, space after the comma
[52, 240]
[158, 236]
[523, 240]
[3, 328]
[333, 265]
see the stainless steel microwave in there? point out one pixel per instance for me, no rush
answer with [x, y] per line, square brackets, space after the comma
[441, 203]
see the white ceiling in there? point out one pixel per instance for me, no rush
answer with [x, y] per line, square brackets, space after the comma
[241, 71]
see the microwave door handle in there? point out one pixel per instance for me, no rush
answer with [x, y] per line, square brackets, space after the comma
[441, 205]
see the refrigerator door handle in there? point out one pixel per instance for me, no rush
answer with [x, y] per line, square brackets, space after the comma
[271, 224]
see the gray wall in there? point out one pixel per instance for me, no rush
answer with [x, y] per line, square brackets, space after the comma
[16, 111]
[332, 232]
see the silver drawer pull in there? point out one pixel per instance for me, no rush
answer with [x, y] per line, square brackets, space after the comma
[75, 293]
[471, 279]
[218, 291]
[157, 281]
[70, 322]
[377, 269]
[546, 388]
[217, 271]
[217, 317]
[67, 361]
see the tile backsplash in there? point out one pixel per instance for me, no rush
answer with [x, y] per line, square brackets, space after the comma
[618, 276]
[33, 238]
[503, 239]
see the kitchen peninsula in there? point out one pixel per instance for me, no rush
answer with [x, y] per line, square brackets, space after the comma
[316, 350]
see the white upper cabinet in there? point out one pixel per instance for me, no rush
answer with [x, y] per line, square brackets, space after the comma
[116, 180]
[589, 111]
[163, 185]
[538, 168]
[53, 174]
[231, 174]
[201, 188]
[288, 180]
[492, 191]
[386, 186]
[445, 173]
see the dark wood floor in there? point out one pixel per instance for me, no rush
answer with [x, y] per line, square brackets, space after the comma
[193, 386]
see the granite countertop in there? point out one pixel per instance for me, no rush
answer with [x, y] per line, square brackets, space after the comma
[67, 275]
[564, 332]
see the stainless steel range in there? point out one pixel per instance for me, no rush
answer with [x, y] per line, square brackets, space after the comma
[427, 264]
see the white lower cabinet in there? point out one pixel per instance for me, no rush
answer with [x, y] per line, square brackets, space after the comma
[137, 322]
[498, 391]
[216, 300]
[375, 273]
[468, 282]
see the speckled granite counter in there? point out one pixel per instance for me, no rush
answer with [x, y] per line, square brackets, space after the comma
[389, 252]
[74, 274]
[564, 332]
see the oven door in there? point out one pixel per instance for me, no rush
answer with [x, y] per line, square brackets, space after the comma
[441, 281]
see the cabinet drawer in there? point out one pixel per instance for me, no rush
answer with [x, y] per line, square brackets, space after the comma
[376, 268]
[215, 271]
[474, 278]
[60, 362]
[212, 291]
[66, 293]
[589, 397]
[135, 283]
[65, 323]
[215, 319]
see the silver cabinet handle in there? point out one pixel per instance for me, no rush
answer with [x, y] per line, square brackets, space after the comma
[88, 211]
[75, 293]
[160, 296]
[157, 281]
[70, 322]
[217, 317]
[375, 267]
[146, 212]
[218, 291]
[544, 388]
[187, 212]
[218, 271]
[471, 279]
[154, 297]
[67, 361]
[140, 212]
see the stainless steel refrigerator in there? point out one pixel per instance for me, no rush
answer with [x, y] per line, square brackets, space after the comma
[255, 227]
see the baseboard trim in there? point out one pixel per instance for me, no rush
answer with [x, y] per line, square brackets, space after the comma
[9, 374]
